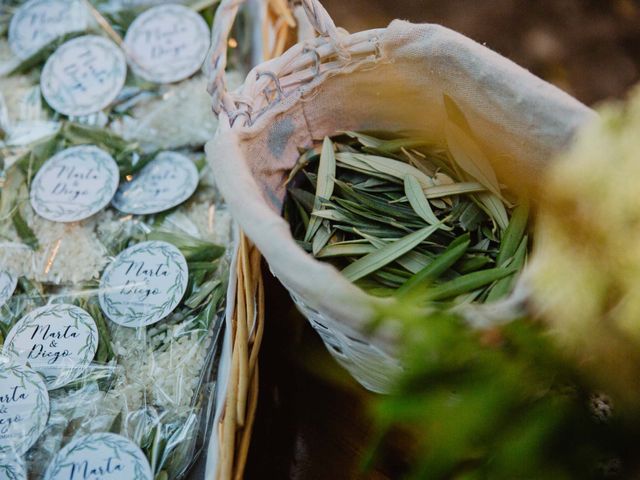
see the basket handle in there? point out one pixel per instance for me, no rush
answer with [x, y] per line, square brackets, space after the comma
[222, 24]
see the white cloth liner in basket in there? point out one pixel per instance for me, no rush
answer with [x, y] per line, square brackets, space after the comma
[390, 79]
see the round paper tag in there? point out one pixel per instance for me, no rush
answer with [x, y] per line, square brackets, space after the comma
[167, 43]
[57, 340]
[11, 469]
[74, 184]
[164, 183]
[104, 456]
[83, 75]
[7, 286]
[143, 284]
[38, 22]
[24, 407]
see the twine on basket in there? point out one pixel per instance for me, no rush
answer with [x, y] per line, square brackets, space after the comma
[332, 51]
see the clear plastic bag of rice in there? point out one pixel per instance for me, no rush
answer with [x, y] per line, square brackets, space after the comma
[114, 266]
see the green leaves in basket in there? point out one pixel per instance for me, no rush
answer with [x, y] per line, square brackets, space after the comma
[418, 200]
[437, 266]
[386, 146]
[470, 157]
[390, 252]
[324, 188]
[401, 216]
[467, 283]
[513, 234]
[504, 285]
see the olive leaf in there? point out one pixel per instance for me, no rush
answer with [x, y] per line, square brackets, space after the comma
[513, 233]
[412, 261]
[324, 189]
[418, 200]
[470, 158]
[388, 166]
[348, 250]
[373, 261]
[459, 188]
[321, 237]
[387, 146]
[437, 266]
[494, 207]
[465, 150]
[467, 283]
[400, 216]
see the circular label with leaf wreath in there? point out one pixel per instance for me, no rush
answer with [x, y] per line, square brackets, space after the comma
[8, 285]
[167, 43]
[74, 184]
[12, 469]
[38, 22]
[165, 182]
[143, 284]
[104, 456]
[58, 341]
[84, 75]
[24, 407]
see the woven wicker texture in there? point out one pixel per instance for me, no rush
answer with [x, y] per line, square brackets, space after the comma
[238, 379]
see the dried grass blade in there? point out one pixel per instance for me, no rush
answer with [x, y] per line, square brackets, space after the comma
[346, 160]
[415, 161]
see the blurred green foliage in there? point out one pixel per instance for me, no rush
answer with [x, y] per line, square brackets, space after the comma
[500, 403]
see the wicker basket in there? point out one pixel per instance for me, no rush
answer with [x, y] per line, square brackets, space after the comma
[382, 79]
[237, 381]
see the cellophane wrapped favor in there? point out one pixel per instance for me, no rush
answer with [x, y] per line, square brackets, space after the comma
[89, 363]
[149, 383]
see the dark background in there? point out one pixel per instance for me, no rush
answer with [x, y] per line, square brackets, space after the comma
[313, 421]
